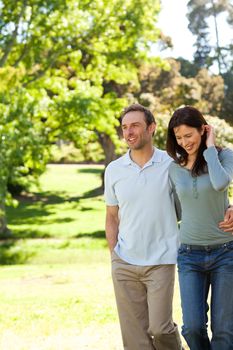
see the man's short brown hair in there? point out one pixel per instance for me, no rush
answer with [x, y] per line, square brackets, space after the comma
[136, 107]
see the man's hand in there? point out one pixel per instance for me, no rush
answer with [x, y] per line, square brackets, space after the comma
[227, 224]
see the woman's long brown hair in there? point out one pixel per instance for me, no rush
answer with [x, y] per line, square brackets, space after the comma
[192, 117]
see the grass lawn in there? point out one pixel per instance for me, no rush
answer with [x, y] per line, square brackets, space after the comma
[55, 284]
[69, 205]
[44, 304]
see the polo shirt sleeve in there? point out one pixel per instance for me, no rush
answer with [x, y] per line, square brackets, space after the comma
[109, 191]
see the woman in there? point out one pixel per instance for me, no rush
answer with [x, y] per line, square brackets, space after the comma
[200, 176]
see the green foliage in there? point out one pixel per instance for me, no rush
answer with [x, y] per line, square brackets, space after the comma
[188, 69]
[67, 153]
[22, 137]
[70, 48]
[161, 130]
[56, 58]
[217, 54]
[164, 90]
[227, 107]
[212, 92]
[223, 131]
[199, 13]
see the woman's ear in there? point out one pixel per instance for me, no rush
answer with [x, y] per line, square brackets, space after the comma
[203, 129]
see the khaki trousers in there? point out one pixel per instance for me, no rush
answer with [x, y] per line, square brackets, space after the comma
[144, 301]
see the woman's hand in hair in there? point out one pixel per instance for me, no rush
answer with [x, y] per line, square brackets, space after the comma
[210, 137]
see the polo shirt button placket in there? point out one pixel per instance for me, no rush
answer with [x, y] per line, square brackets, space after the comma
[142, 179]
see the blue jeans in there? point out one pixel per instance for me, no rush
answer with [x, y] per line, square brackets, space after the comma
[198, 270]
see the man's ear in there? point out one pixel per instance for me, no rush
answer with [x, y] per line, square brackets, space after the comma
[152, 128]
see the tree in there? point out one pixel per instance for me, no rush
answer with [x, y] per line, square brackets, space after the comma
[188, 69]
[212, 92]
[227, 106]
[166, 90]
[207, 55]
[22, 138]
[62, 55]
[199, 15]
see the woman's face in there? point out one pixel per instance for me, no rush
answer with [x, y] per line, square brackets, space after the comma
[188, 138]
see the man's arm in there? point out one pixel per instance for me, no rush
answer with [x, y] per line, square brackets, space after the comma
[227, 224]
[112, 225]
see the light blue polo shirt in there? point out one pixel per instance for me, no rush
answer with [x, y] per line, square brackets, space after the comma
[148, 233]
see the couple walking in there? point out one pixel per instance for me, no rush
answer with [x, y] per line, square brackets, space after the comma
[146, 191]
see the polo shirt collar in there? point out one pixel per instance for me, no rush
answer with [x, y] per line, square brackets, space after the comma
[156, 157]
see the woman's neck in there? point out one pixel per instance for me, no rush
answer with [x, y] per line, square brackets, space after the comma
[190, 161]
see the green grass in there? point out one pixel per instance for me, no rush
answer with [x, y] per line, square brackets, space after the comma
[68, 205]
[42, 302]
[55, 282]
[46, 298]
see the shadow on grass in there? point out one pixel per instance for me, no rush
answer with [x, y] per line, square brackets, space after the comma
[97, 171]
[89, 194]
[42, 197]
[45, 198]
[35, 208]
[10, 254]
[13, 254]
[96, 234]
[94, 193]
[22, 234]
[38, 217]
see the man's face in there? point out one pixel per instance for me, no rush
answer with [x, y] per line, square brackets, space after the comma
[135, 130]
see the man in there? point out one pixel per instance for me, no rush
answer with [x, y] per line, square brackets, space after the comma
[141, 231]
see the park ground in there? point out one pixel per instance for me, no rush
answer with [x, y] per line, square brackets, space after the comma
[55, 281]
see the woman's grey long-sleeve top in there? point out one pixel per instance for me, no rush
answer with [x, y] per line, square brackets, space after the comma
[204, 199]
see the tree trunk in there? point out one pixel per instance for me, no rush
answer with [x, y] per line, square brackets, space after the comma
[109, 151]
[11, 42]
[218, 49]
[4, 231]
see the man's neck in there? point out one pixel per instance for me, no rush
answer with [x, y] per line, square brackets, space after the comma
[142, 156]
